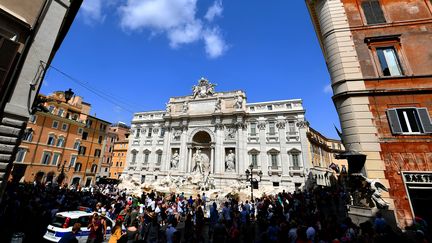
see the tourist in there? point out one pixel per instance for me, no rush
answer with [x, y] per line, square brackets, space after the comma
[70, 237]
[116, 232]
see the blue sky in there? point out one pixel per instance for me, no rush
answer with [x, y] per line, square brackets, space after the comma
[138, 53]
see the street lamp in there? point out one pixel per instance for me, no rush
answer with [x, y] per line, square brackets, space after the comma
[61, 168]
[39, 102]
[249, 177]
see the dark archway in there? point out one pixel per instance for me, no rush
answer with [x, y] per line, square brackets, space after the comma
[201, 137]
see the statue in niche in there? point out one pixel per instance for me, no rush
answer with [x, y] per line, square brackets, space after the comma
[239, 102]
[175, 160]
[230, 161]
[218, 105]
[185, 106]
[201, 161]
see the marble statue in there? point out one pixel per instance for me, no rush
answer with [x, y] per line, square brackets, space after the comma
[177, 134]
[218, 105]
[203, 89]
[366, 192]
[239, 102]
[231, 132]
[168, 108]
[175, 160]
[185, 106]
[230, 161]
[200, 160]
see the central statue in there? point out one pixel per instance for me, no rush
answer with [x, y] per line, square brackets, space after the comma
[203, 89]
[201, 162]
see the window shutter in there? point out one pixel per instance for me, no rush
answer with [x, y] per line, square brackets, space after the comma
[377, 12]
[394, 121]
[367, 9]
[8, 50]
[425, 119]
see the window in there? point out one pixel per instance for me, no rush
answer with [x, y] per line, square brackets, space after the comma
[389, 61]
[80, 131]
[137, 133]
[274, 160]
[254, 158]
[252, 108]
[146, 158]
[134, 155]
[275, 184]
[77, 167]
[82, 150]
[89, 123]
[291, 127]
[76, 145]
[64, 126]
[60, 142]
[97, 153]
[253, 127]
[51, 140]
[121, 164]
[289, 106]
[295, 161]
[100, 140]
[84, 135]
[55, 124]
[409, 120]
[33, 118]
[272, 130]
[149, 133]
[102, 127]
[55, 159]
[162, 132]
[106, 169]
[51, 108]
[28, 135]
[269, 107]
[373, 12]
[117, 164]
[159, 159]
[93, 168]
[46, 157]
[60, 112]
[72, 160]
[20, 155]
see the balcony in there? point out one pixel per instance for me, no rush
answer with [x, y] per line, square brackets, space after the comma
[274, 170]
[272, 137]
[296, 170]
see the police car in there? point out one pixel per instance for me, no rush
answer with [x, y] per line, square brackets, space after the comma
[64, 221]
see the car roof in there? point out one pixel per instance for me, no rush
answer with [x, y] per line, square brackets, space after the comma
[74, 214]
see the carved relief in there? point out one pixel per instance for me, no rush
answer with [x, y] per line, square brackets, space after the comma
[280, 124]
[261, 125]
[302, 124]
[230, 133]
[203, 89]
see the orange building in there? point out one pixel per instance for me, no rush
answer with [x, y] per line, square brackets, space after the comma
[117, 133]
[120, 149]
[379, 56]
[63, 138]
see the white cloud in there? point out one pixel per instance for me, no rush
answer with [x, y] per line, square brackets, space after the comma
[92, 11]
[215, 45]
[328, 89]
[176, 19]
[214, 11]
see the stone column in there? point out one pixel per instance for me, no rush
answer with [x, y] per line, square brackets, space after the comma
[263, 161]
[212, 165]
[166, 151]
[283, 147]
[241, 162]
[219, 150]
[183, 152]
[189, 163]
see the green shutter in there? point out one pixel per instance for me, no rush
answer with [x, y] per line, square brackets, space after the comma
[425, 119]
[394, 121]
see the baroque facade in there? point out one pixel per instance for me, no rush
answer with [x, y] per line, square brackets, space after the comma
[219, 134]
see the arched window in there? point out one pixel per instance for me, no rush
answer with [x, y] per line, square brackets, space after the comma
[51, 139]
[28, 135]
[78, 167]
[77, 144]
[60, 141]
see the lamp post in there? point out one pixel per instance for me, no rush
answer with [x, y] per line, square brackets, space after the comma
[61, 168]
[40, 100]
[249, 177]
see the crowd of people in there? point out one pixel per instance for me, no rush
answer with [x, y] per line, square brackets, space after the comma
[317, 215]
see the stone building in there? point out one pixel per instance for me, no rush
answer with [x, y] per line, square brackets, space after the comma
[322, 151]
[65, 136]
[31, 32]
[219, 134]
[119, 149]
[378, 54]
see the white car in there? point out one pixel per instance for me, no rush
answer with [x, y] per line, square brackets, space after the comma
[64, 221]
